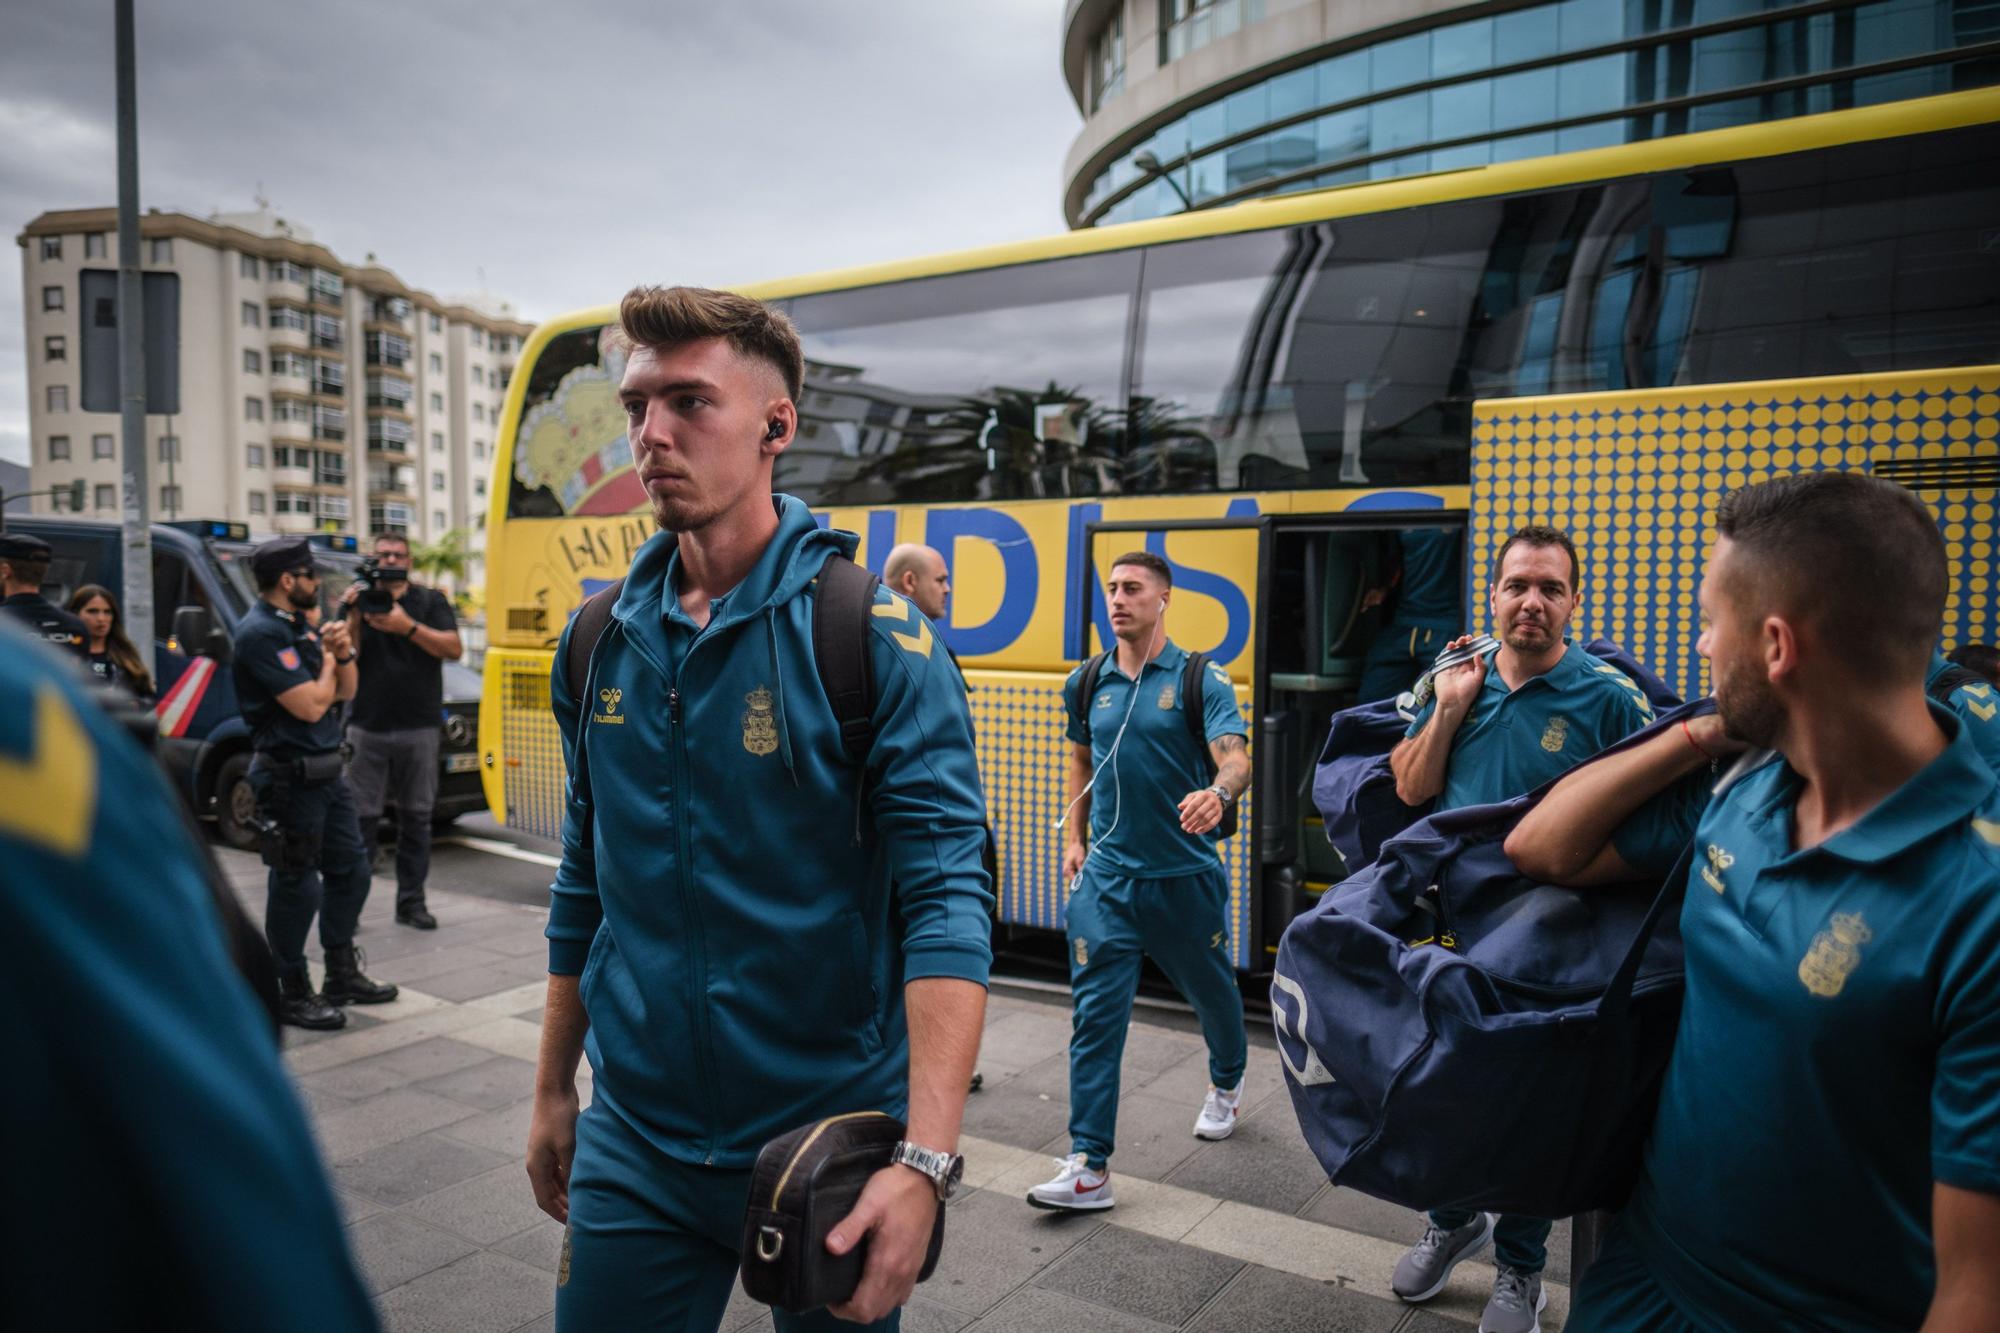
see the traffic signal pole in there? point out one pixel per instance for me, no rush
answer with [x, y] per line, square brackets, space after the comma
[138, 541]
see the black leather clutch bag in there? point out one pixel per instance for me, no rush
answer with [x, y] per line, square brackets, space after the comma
[803, 1184]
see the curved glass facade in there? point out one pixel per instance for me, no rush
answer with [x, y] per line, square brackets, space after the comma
[1548, 78]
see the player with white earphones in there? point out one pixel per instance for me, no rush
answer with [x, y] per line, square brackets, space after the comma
[1157, 761]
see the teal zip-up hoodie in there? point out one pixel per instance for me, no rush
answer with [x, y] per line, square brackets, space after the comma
[747, 905]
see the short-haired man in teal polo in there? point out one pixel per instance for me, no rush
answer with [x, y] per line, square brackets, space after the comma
[1148, 883]
[1827, 1148]
[1489, 734]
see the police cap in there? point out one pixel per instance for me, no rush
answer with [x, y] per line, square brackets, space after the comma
[21, 546]
[280, 555]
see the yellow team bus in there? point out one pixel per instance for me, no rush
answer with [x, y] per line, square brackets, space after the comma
[1268, 394]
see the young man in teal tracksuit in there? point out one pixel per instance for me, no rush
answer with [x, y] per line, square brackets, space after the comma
[748, 932]
[1826, 1152]
[1147, 882]
[1489, 734]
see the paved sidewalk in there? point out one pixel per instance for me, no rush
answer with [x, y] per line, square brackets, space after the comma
[421, 1108]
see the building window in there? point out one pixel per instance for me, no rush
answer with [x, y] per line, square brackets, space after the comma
[170, 499]
[55, 348]
[1107, 61]
[477, 335]
[160, 250]
[437, 519]
[59, 501]
[101, 446]
[256, 502]
[328, 332]
[437, 402]
[93, 245]
[479, 448]
[478, 376]
[248, 267]
[479, 485]
[253, 409]
[284, 270]
[1189, 25]
[58, 398]
[52, 247]
[437, 481]
[388, 349]
[253, 361]
[478, 412]
[253, 315]
[58, 448]
[170, 449]
[107, 495]
[327, 285]
[253, 454]
[437, 441]
[288, 317]
[437, 364]
[437, 324]
[52, 298]
[290, 409]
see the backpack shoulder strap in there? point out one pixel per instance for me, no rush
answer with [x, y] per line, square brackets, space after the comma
[840, 650]
[1950, 680]
[1087, 686]
[1194, 708]
[591, 618]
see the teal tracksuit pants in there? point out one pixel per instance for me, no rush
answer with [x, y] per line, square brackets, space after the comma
[1113, 923]
[652, 1241]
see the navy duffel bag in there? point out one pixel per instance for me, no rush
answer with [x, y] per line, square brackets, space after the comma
[1456, 1035]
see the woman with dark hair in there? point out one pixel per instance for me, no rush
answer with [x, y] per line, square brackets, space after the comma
[113, 659]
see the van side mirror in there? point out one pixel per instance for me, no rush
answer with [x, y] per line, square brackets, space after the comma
[197, 634]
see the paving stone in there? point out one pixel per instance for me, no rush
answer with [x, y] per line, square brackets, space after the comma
[353, 1207]
[533, 1015]
[357, 1021]
[1142, 1275]
[1187, 1080]
[1265, 1163]
[1352, 1210]
[546, 1324]
[319, 1101]
[402, 1113]
[480, 979]
[481, 1293]
[1016, 1040]
[431, 1057]
[397, 1173]
[496, 1083]
[393, 1247]
[1150, 1051]
[343, 1085]
[1022, 1117]
[742, 1312]
[502, 1131]
[1263, 1300]
[540, 1244]
[486, 1208]
[1039, 1310]
[1153, 1136]
[994, 1243]
[924, 1316]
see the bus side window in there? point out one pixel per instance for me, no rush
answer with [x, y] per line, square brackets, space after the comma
[174, 586]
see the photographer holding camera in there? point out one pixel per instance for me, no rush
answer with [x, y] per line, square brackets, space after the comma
[401, 632]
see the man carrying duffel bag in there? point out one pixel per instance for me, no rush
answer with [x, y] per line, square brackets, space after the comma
[1827, 1148]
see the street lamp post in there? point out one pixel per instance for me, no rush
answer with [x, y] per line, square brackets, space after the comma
[1149, 165]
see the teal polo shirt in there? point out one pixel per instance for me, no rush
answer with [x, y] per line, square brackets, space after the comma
[1515, 740]
[1135, 820]
[1838, 1051]
[1978, 704]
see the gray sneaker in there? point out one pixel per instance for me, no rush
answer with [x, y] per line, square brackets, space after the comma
[1516, 1304]
[1422, 1273]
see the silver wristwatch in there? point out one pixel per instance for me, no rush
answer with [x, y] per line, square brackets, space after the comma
[1220, 794]
[944, 1169]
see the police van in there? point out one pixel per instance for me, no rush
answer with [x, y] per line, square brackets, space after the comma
[202, 586]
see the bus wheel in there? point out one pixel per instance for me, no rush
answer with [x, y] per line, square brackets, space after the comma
[235, 803]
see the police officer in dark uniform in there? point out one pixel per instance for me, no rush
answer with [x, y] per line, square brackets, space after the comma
[24, 563]
[290, 679]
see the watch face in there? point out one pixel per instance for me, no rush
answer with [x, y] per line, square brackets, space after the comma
[953, 1174]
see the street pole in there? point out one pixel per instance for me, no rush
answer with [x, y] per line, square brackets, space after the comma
[138, 540]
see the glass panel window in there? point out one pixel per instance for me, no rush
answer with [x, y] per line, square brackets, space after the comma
[329, 377]
[1400, 63]
[107, 495]
[52, 298]
[290, 409]
[1342, 78]
[1343, 134]
[94, 245]
[437, 323]
[437, 481]
[288, 317]
[247, 266]
[1107, 60]
[284, 270]
[253, 409]
[256, 502]
[1460, 48]
[1292, 94]
[55, 348]
[160, 250]
[1247, 109]
[327, 285]
[1461, 110]
[56, 397]
[1590, 87]
[437, 364]
[1525, 34]
[478, 376]
[169, 449]
[388, 349]
[58, 448]
[51, 247]
[1527, 98]
[1400, 122]
[1584, 25]
[170, 500]
[437, 402]
[437, 440]
[253, 455]
[102, 446]
[253, 361]
[328, 332]
[437, 518]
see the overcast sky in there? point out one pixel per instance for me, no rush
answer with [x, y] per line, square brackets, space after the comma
[553, 154]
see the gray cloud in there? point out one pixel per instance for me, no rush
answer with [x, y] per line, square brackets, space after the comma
[562, 152]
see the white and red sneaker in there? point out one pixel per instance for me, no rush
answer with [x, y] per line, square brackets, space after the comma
[1218, 1112]
[1076, 1188]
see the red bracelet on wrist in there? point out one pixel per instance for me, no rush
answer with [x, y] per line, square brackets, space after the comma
[1685, 731]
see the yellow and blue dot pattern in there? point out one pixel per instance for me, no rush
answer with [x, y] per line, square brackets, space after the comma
[1635, 477]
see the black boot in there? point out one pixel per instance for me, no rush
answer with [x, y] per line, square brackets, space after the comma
[347, 984]
[303, 1007]
[416, 915]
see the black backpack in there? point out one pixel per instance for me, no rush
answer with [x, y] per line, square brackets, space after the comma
[840, 646]
[1190, 702]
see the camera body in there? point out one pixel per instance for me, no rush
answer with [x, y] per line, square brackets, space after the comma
[379, 587]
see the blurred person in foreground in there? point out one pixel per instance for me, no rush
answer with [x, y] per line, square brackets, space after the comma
[161, 1173]
[1827, 1148]
[24, 565]
[113, 659]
